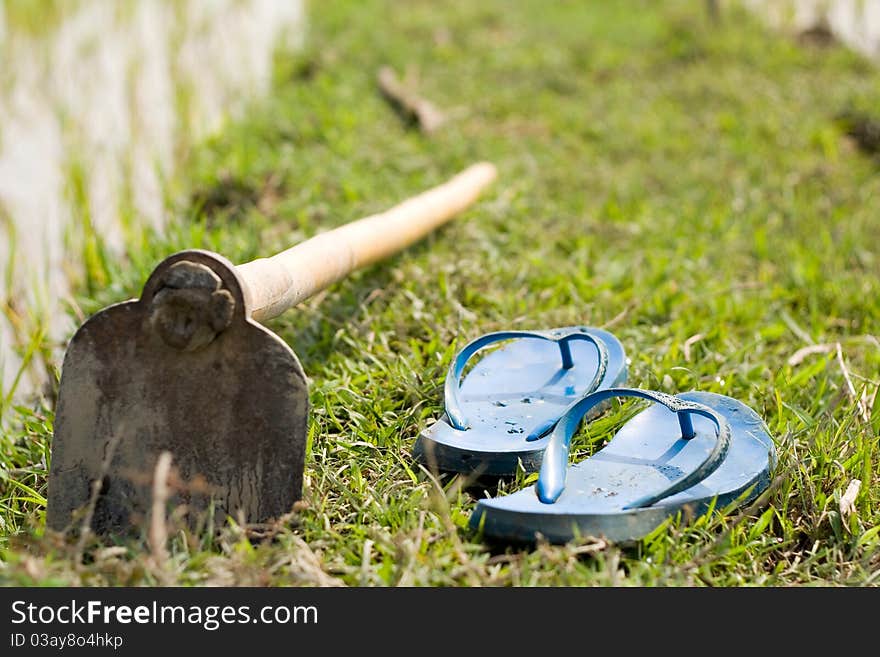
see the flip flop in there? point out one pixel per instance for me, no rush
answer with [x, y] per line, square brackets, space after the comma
[682, 453]
[503, 411]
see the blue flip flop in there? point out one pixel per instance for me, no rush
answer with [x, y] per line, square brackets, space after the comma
[682, 453]
[501, 414]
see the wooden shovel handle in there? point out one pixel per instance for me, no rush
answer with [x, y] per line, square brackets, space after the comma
[278, 283]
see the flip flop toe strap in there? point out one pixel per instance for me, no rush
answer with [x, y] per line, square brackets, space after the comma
[551, 479]
[563, 337]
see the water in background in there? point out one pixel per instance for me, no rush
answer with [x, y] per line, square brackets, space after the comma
[109, 90]
[855, 23]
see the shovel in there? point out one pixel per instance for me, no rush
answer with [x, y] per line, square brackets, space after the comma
[187, 369]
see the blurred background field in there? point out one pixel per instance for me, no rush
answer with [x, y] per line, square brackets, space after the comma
[700, 177]
[99, 104]
[101, 101]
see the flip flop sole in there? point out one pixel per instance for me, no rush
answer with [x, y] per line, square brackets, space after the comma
[508, 393]
[640, 459]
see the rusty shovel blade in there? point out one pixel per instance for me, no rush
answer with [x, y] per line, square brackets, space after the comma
[185, 370]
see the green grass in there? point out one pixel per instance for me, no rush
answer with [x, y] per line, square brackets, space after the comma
[684, 183]
[34, 17]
